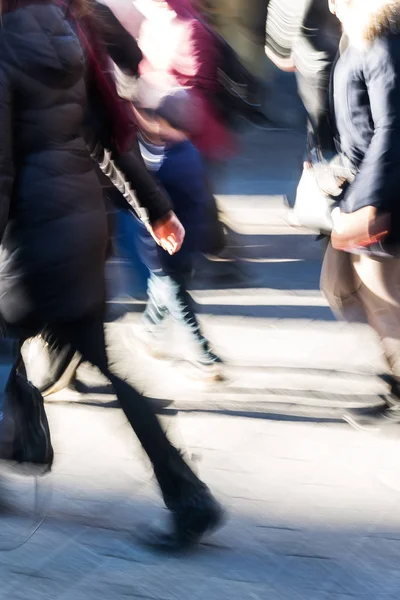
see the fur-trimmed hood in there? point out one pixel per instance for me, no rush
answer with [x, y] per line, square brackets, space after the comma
[383, 20]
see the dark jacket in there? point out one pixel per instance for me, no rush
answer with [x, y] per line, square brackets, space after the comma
[367, 106]
[314, 52]
[52, 215]
[310, 33]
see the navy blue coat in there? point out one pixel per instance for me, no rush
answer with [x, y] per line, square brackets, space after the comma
[367, 107]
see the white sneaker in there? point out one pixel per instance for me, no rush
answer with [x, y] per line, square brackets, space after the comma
[152, 339]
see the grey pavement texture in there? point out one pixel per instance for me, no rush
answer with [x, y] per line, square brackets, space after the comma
[313, 504]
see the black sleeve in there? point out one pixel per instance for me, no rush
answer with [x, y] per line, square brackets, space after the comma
[6, 144]
[121, 46]
[150, 195]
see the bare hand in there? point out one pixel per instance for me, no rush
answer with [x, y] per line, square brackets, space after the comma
[284, 64]
[359, 229]
[169, 233]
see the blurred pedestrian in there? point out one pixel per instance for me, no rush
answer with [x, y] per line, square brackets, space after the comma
[52, 367]
[53, 222]
[361, 271]
[303, 37]
[180, 51]
[178, 167]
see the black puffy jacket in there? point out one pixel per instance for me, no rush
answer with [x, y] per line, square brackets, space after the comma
[52, 215]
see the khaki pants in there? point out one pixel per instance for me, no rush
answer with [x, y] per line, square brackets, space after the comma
[361, 288]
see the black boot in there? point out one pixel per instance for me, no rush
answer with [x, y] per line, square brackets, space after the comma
[192, 518]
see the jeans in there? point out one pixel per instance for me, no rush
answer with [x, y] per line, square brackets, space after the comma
[168, 295]
[129, 232]
[167, 285]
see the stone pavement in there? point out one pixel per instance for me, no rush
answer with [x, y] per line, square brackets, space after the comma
[313, 514]
[284, 350]
[312, 503]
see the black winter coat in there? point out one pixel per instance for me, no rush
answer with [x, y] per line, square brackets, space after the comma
[52, 215]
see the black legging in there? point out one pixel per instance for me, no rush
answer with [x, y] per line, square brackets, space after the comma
[177, 481]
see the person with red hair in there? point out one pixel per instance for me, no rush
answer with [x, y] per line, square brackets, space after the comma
[53, 224]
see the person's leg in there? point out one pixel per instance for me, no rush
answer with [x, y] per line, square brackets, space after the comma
[340, 285]
[180, 305]
[184, 494]
[157, 292]
[380, 295]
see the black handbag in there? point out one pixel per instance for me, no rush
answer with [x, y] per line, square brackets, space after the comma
[24, 429]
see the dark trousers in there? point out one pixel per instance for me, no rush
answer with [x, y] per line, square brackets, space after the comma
[177, 481]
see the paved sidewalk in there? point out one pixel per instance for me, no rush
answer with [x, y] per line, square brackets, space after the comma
[285, 352]
[312, 514]
[313, 504]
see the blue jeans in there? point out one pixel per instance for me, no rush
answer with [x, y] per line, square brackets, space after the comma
[128, 243]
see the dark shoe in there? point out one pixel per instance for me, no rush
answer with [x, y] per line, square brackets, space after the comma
[191, 520]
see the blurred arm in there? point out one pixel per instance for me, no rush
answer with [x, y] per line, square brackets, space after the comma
[378, 181]
[121, 46]
[284, 64]
[148, 192]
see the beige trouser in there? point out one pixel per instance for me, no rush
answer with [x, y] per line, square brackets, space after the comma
[362, 288]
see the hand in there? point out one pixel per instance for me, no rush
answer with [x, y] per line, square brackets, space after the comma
[284, 64]
[169, 233]
[359, 229]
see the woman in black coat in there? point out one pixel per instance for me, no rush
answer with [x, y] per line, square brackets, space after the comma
[54, 232]
[51, 367]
